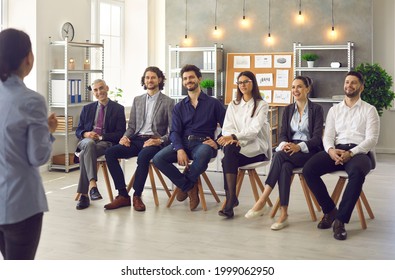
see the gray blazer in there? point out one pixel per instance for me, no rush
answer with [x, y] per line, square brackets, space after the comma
[161, 120]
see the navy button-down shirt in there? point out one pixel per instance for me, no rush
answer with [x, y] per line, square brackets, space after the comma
[201, 121]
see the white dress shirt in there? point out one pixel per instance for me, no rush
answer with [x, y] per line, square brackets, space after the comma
[358, 125]
[252, 132]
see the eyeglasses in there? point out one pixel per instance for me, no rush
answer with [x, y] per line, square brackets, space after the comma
[243, 82]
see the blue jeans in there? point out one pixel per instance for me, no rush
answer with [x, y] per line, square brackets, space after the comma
[144, 156]
[197, 151]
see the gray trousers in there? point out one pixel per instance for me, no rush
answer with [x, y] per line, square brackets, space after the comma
[90, 151]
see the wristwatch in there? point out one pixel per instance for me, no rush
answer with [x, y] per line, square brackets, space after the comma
[161, 140]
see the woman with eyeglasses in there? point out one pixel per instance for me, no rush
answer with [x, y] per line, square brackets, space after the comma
[300, 138]
[246, 135]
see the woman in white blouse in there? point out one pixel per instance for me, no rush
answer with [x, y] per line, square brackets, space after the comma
[246, 135]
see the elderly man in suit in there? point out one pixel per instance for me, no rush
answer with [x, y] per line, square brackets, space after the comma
[102, 124]
[147, 132]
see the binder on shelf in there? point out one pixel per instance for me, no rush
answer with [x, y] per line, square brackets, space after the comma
[58, 91]
[79, 90]
[72, 90]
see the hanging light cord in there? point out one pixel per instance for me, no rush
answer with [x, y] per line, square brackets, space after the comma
[215, 17]
[244, 9]
[186, 18]
[300, 7]
[269, 19]
[333, 20]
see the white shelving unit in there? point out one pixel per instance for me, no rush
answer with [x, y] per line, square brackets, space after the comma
[342, 53]
[61, 52]
[210, 60]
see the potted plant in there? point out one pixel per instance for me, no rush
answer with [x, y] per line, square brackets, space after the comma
[208, 84]
[377, 90]
[115, 94]
[310, 58]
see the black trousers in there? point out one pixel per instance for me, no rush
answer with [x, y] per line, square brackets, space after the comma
[281, 172]
[357, 168]
[232, 160]
[19, 241]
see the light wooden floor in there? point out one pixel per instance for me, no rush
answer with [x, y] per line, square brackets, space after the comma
[177, 233]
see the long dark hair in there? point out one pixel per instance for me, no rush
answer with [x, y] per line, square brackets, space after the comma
[158, 73]
[256, 95]
[15, 45]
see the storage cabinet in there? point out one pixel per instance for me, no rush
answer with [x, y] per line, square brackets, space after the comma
[210, 61]
[72, 67]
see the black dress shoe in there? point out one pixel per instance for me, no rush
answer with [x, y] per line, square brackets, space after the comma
[83, 202]
[94, 194]
[339, 232]
[226, 213]
[328, 219]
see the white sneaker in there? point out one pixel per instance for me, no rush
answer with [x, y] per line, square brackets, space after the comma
[252, 214]
[278, 226]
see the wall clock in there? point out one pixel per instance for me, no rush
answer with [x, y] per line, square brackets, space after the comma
[67, 31]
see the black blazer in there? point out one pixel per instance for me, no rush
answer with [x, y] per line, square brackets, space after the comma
[114, 122]
[316, 125]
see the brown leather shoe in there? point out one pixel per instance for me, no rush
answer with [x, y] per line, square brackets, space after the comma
[118, 202]
[138, 204]
[181, 196]
[193, 197]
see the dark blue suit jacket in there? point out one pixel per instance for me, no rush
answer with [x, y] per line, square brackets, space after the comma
[114, 122]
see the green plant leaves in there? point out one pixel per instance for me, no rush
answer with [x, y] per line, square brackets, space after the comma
[378, 84]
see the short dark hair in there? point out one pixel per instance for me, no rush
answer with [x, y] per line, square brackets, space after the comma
[190, 67]
[15, 45]
[158, 73]
[358, 75]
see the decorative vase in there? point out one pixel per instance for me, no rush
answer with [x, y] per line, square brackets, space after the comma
[310, 64]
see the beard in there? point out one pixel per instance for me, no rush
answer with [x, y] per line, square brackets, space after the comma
[193, 86]
[352, 94]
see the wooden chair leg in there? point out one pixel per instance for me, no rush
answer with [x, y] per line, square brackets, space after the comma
[131, 182]
[306, 192]
[366, 203]
[172, 197]
[253, 184]
[338, 189]
[210, 186]
[107, 180]
[159, 175]
[153, 185]
[201, 194]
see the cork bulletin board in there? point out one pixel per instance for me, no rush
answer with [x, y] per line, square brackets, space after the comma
[274, 73]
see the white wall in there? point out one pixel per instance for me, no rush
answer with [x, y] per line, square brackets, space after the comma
[383, 53]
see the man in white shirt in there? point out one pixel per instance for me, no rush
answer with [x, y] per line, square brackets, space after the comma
[351, 131]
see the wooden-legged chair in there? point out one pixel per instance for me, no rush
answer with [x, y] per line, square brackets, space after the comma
[101, 163]
[151, 170]
[254, 180]
[307, 194]
[201, 191]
